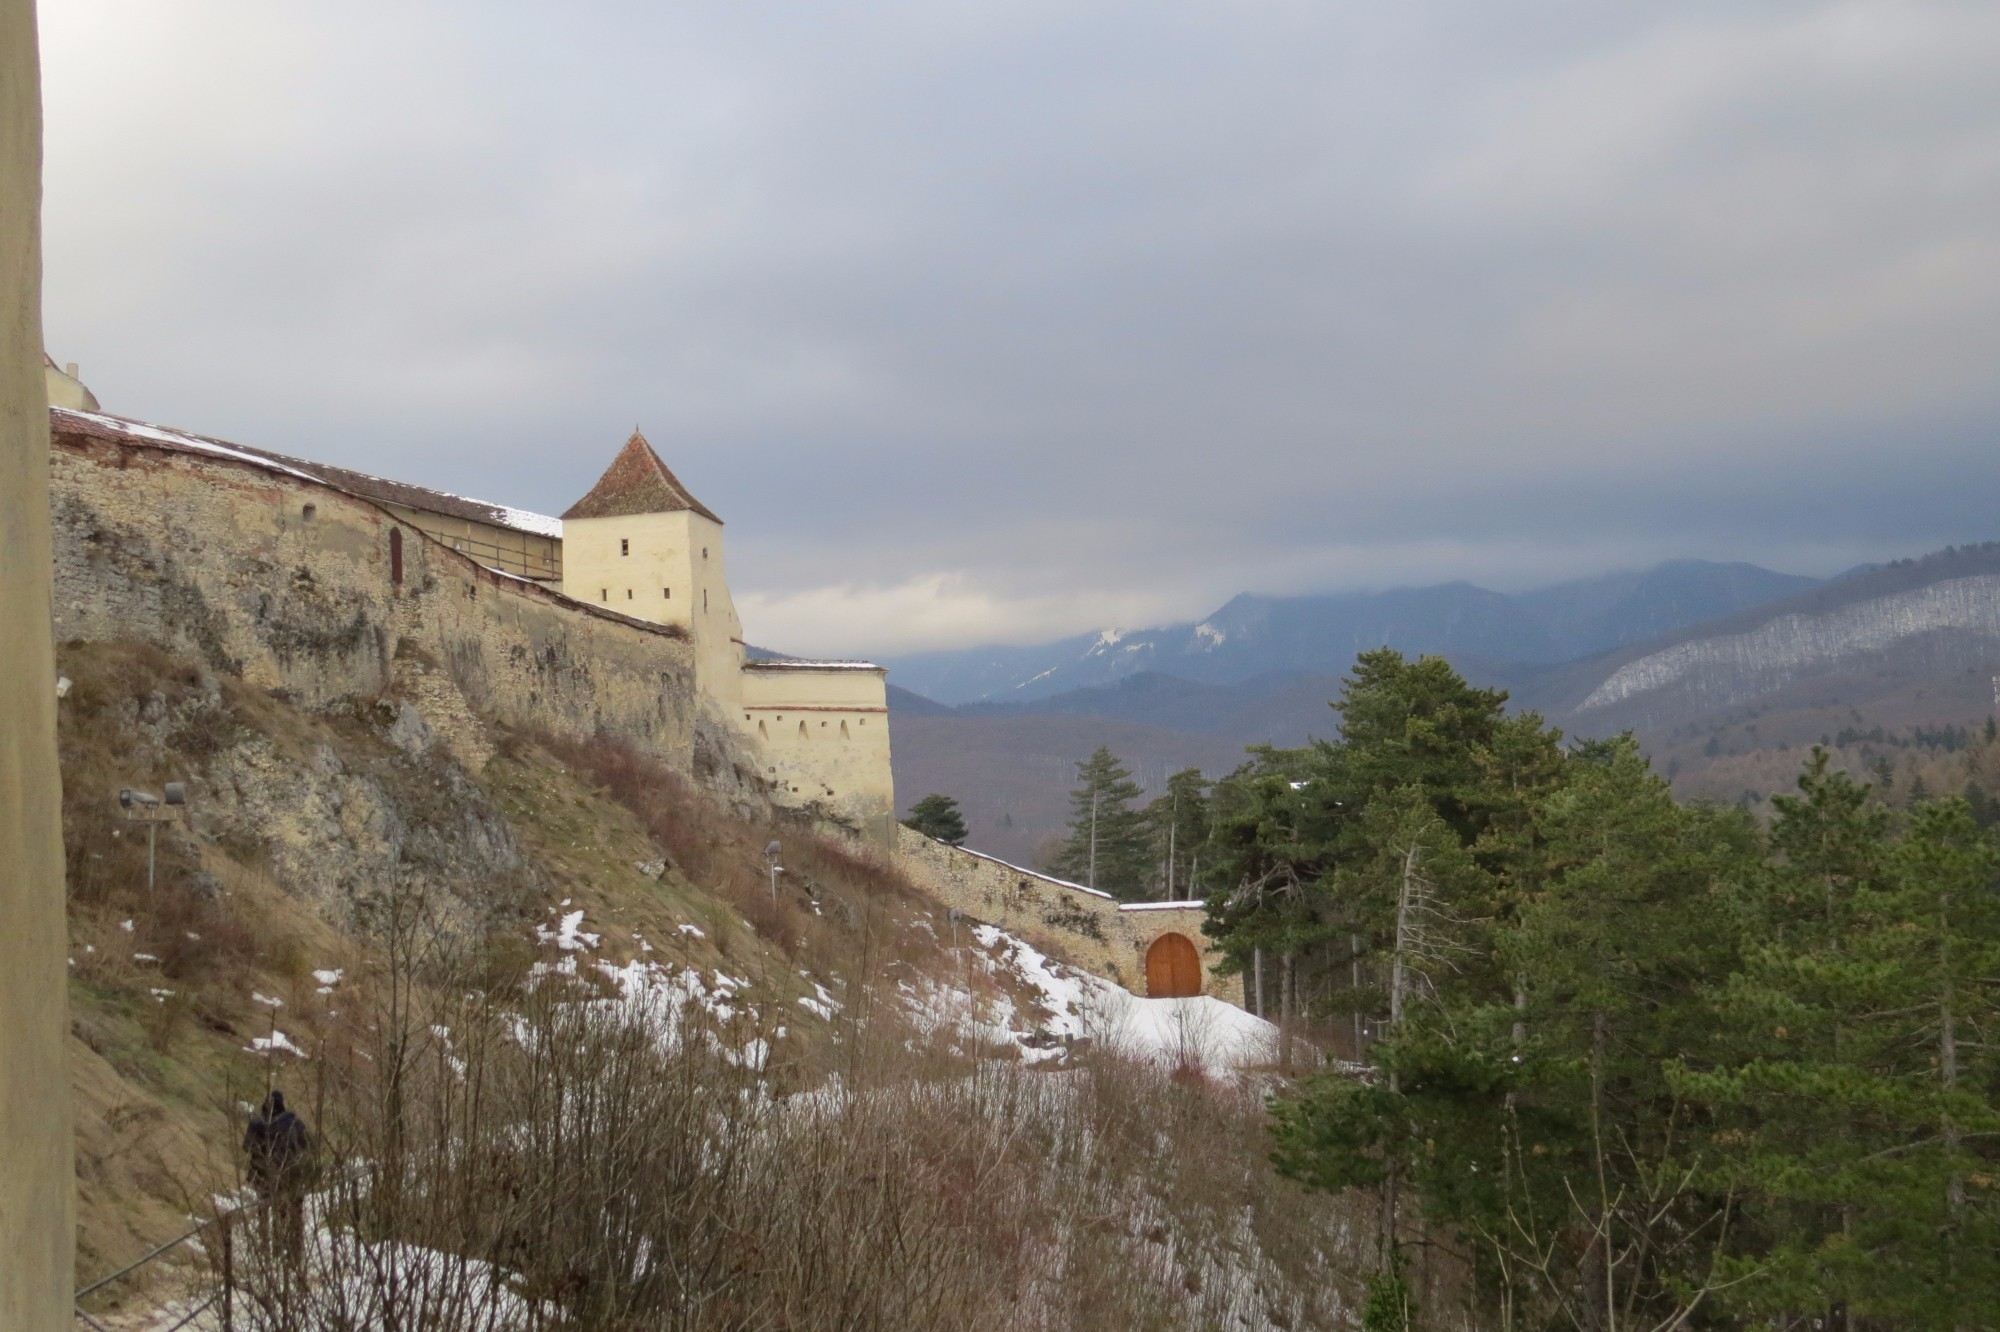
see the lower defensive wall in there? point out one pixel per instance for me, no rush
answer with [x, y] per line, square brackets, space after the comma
[1157, 949]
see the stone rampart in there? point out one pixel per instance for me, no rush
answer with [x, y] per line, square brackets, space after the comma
[293, 585]
[1088, 928]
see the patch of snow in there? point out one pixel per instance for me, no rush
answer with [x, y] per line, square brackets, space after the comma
[569, 934]
[1200, 1032]
[823, 1009]
[695, 930]
[266, 1000]
[1189, 904]
[1208, 637]
[526, 520]
[276, 1043]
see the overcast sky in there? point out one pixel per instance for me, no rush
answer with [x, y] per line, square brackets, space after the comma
[996, 320]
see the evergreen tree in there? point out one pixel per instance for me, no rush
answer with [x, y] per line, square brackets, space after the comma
[1858, 1093]
[1108, 846]
[1179, 824]
[937, 816]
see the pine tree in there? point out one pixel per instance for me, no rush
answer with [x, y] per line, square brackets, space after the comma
[937, 816]
[1108, 847]
[1178, 821]
[1858, 1101]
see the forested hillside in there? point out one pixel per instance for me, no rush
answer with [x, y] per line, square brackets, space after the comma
[1254, 637]
[1881, 667]
[1641, 1063]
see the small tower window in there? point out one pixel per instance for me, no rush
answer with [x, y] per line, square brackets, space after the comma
[666, 594]
[704, 598]
[604, 594]
[843, 729]
[803, 733]
[308, 512]
[396, 556]
[628, 594]
[624, 546]
[704, 552]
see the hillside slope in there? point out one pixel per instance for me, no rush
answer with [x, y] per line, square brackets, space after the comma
[355, 891]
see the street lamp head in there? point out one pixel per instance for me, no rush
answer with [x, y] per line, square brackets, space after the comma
[177, 793]
[129, 798]
[771, 852]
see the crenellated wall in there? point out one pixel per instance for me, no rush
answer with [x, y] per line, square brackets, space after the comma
[294, 585]
[1091, 929]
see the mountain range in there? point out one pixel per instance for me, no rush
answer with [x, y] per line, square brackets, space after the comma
[1726, 672]
[1254, 636]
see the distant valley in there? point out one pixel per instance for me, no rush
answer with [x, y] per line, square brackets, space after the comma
[1727, 672]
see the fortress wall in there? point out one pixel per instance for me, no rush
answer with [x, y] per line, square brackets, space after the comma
[1090, 929]
[221, 559]
[822, 736]
[507, 548]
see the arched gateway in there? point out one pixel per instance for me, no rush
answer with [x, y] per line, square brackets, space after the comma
[1173, 968]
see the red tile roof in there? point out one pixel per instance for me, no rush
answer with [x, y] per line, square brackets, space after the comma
[637, 482]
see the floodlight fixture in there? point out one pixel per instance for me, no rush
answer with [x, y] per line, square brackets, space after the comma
[151, 810]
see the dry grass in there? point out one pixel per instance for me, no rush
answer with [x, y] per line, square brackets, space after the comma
[558, 1159]
[876, 1172]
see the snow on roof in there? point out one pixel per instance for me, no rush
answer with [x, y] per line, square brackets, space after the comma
[380, 489]
[117, 427]
[1193, 904]
[808, 664]
[1033, 874]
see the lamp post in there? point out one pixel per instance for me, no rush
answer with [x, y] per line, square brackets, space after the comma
[771, 855]
[153, 810]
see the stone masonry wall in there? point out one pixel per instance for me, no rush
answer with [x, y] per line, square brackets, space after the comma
[287, 583]
[1091, 929]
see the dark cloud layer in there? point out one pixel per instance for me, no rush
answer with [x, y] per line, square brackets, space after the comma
[1004, 320]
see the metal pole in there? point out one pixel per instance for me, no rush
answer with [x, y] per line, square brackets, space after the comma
[152, 845]
[774, 883]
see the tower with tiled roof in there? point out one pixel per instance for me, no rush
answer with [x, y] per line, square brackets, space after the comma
[641, 544]
[816, 732]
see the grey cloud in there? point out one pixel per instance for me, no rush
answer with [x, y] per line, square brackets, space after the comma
[1068, 313]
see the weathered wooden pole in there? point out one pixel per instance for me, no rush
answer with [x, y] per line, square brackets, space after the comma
[37, 1205]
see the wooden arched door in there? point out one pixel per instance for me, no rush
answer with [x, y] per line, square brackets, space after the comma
[1173, 968]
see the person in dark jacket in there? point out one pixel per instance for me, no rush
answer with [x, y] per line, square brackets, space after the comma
[280, 1152]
